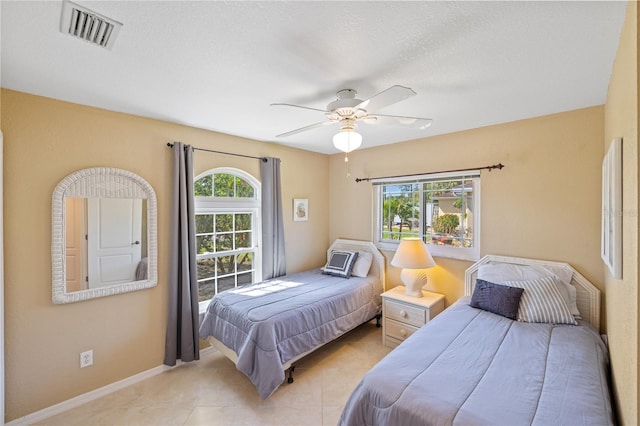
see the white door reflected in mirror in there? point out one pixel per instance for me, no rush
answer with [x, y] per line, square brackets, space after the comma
[113, 245]
[104, 242]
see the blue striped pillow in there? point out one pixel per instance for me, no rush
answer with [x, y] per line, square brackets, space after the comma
[542, 302]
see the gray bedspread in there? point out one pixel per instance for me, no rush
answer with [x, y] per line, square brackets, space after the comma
[270, 323]
[471, 367]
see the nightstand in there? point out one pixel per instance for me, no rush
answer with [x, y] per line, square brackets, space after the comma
[402, 315]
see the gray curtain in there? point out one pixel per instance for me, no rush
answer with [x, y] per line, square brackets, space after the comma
[273, 257]
[183, 320]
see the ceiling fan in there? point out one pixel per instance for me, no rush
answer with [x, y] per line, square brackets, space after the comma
[347, 110]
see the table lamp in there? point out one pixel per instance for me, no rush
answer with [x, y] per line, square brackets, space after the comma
[413, 257]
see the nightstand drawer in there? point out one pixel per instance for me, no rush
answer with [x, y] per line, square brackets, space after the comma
[391, 342]
[405, 313]
[398, 330]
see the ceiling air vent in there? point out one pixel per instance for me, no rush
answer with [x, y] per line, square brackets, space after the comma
[82, 23]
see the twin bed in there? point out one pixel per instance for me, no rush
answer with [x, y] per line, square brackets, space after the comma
[264, 328]
[470, 366]
[467, 366]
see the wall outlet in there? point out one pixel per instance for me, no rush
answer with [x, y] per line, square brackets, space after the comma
[86, 359]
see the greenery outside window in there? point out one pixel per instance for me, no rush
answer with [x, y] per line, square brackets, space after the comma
[442, 209]
[227, 218]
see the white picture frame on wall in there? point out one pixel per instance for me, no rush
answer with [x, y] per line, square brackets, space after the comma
[300, 209]
[611, 238]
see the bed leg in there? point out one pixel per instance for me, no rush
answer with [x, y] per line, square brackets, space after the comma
[290, 378]
[378, 318]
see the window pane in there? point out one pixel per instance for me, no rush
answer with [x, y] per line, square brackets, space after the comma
[225, 265]
[226, 283]
[204, 244]
[245, 262]
[400, 211]
[206, 290]
[223, 185]
[203, 187]
[204, 223]
[243, 222]
[224, 242]
[386, 215]
[246, 278]
[243, 240]
[243, 189]
[224, 222]
[448, 213]
[206, 268]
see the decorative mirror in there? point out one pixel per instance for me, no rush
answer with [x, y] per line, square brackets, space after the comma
[104, 236]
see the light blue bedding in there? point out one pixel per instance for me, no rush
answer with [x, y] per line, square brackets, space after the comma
[270, 323]
[472, 367]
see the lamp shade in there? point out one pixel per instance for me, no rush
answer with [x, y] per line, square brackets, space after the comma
[413, 257]
[412, 253]
[347, 140]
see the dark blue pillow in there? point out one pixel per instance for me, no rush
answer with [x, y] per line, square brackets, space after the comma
[495, 298]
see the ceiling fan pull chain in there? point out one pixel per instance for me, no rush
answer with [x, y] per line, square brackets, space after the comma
[346, 160]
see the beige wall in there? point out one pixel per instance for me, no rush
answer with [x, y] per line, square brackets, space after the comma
[544, 204]
[621, 120]
[44, 141]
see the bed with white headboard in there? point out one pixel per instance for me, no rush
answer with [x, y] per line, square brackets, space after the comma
[587, 294]
[520, 356]
[265, 328]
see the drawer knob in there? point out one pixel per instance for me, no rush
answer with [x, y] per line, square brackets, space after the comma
[403, 314]
[403, 332]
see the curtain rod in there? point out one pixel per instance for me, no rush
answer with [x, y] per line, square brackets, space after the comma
[264, 159]
[495, 166]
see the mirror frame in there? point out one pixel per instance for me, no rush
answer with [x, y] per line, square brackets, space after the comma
[101, 182]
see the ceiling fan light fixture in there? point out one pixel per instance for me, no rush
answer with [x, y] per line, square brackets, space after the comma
[347, 140]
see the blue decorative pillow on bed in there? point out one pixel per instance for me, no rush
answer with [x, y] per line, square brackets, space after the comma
[495, 298]
[340, 263]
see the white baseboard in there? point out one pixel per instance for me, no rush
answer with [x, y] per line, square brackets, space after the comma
[77, 401]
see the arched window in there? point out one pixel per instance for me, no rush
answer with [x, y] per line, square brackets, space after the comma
[227, 205]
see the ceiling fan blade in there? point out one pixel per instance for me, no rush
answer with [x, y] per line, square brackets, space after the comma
[299, 106]
[395, 120]
[304, 129]
[387, 97]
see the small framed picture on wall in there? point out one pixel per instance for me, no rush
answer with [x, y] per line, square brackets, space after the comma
[300, 209]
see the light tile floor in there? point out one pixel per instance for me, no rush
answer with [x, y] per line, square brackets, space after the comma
[212, 392]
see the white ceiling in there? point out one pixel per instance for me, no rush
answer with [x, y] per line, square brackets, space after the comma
[219, 65]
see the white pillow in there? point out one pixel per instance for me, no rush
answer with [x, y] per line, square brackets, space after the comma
[542, 302]
[363, 264]
[499, 273]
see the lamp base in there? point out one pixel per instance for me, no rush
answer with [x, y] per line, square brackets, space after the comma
[413, 280]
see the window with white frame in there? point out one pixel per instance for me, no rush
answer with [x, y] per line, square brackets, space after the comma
[442, 209]
[227, 218]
